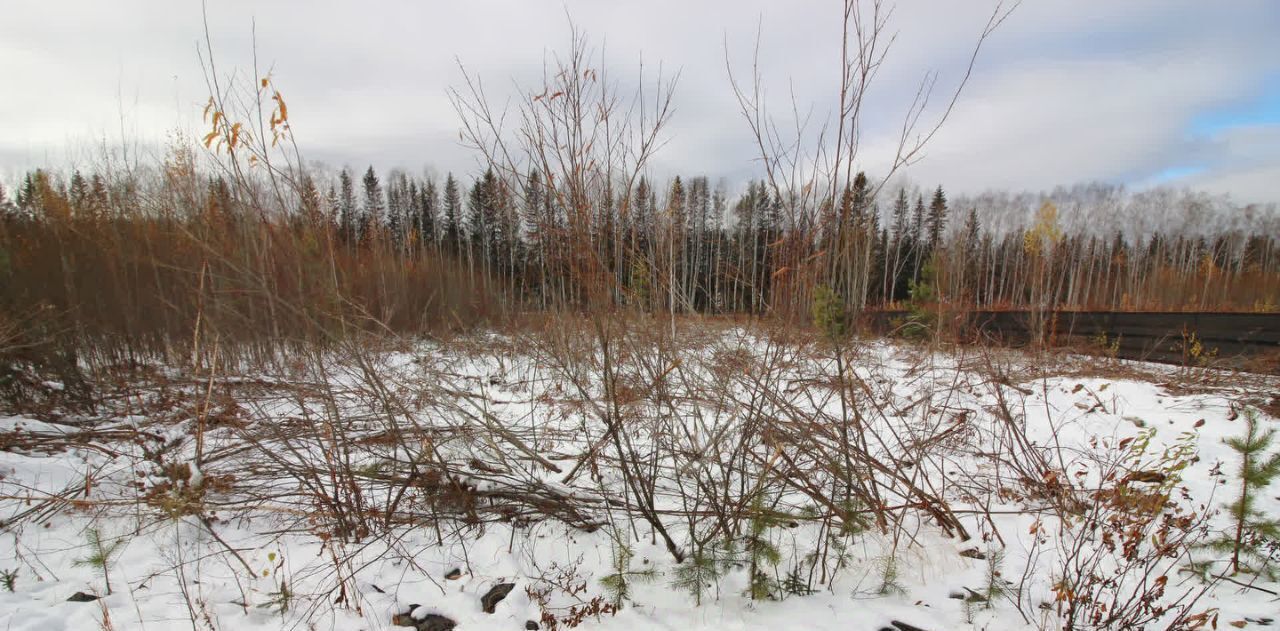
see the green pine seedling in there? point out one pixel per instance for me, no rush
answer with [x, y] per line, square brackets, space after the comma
[1250, 528]
[617, 585]
[761, 552]
[890, 584]
[996, 586]
[795, 584]
[9, 578]
[100, 555]
[280, 599]
[697, 573]
[829, 314]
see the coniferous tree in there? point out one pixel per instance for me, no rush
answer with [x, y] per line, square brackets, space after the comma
[1251, 530]
[309, 201]
[413, 208]
[484, 229]
[428, 208]
[99, 200]
[919, 246]
[8, 209]
[371, 215]
[900, 269]
[452, 215]
[937, 219]
[396, 207]
[675, 245]
[78, 193]
[971, 245]
[348, 220]
[333, 214]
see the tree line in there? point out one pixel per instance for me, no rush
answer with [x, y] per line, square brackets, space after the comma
[687, 245]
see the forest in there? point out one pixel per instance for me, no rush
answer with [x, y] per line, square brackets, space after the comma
[416, 252]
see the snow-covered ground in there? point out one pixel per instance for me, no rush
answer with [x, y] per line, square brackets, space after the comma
[337, 492]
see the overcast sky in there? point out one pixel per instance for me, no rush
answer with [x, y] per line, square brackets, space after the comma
[1138, 92]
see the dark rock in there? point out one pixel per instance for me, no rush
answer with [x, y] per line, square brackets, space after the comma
[429, 622]
[436, 622]
[902, 626]
[454, 574]
[81, 597]
[530, 625]
[973, 553]
[495, 596]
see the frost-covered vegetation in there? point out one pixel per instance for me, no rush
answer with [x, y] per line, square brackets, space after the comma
[619, 475]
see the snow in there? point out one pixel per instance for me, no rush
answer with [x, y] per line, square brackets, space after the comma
[172, 572]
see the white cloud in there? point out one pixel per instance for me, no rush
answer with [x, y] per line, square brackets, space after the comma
[1062, 93]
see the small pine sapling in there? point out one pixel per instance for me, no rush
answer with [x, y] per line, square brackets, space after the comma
[795, 583]
[890, 584]
[280, 599]
[100, 555]
[9, 578]
[761, 552]
[829, 314]
[617, 585]
[996, 586]
[698, 573]
[1250, 529]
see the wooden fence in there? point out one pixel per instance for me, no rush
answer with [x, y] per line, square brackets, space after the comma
[1235, 340]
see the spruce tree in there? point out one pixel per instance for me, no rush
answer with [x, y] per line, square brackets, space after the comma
[99, 199]
[371, 216]
[347, 220]
[7, 209]
[1252, 532]
[427, 209]
[414, 209]
[918, 220]
[937, 220]
[900, 208]
[309, 201]
[78, 193]
[395, 208]
[920, 251]
[333, 214]
[452, 212]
